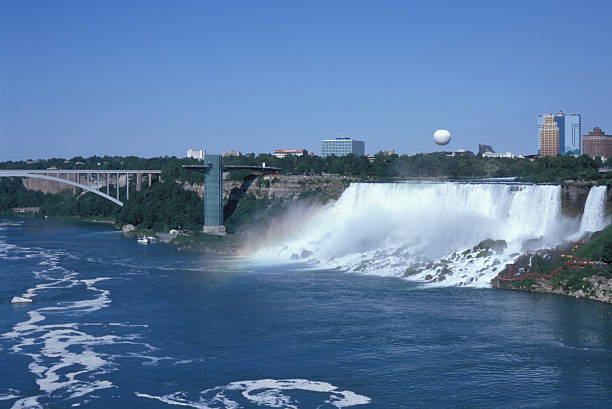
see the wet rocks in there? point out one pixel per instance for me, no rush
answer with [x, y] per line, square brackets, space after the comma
[496, 245]
[410, 271]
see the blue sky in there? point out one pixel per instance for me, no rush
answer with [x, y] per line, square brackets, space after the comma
[158, 77]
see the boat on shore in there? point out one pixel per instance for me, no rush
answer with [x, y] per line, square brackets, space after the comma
[146, 239]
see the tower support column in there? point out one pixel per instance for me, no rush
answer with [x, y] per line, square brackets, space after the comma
[213, 195]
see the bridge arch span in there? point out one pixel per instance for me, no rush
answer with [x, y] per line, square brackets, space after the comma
[60, 180]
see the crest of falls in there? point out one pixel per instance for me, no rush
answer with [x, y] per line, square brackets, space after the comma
[594, 216]
[427, 231]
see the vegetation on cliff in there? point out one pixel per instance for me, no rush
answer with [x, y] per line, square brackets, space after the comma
[576, 269]
[163, 206]
[598, 248]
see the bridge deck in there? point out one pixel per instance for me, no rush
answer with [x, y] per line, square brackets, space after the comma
[235, 167]
[75, 171]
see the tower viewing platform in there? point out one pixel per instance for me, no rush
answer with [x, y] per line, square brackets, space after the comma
[213, 169]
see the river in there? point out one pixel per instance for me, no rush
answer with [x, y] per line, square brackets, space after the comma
[119, 324]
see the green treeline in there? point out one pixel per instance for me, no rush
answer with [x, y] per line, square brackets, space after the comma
[432, 165]
[392, 166]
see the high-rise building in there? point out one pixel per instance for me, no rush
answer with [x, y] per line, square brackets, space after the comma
[342, 146]
[549, 136]
[597, 144]
[573, 135]
[570, 141]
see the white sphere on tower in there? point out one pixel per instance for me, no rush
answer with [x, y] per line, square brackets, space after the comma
[442, 137]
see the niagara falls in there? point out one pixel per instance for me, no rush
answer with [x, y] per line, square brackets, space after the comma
[305, 205]
[406, 229]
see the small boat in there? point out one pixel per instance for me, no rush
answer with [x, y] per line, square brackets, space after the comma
[20, 300]
[142, 239]
[152, 239]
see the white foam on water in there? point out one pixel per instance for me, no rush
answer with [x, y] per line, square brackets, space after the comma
[65, 359]
[31, 402]
[9, 394]
[270, 393]
[384, 228]
[594, 215]
[174, 399]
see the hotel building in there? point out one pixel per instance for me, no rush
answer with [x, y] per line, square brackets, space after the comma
[549, 136]
[597, 144]
[342, 146]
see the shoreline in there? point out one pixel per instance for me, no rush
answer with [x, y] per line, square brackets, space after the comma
[96, 220]
[575, 269]
[543, 286]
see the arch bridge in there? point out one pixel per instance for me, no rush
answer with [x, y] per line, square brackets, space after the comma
[89, 179]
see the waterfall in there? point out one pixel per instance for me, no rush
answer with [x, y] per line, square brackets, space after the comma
[594, 215]
[384, 228]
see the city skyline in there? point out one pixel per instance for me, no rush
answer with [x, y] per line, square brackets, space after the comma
[151, 80]
[569, 133]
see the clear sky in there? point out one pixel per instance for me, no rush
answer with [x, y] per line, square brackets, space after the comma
[158, 77]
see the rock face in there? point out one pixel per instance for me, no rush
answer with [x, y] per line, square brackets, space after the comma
[128, 228]
[279, 186]
[601, 288]
[45, 186]
[573, 198]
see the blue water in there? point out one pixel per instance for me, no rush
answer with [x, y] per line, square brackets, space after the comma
[118, 324]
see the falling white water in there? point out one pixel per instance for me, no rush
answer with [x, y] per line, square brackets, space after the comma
[384, 228]
[594, 216]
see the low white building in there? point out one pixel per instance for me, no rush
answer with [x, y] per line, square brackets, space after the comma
[282, 153]
[498, 155]
[196, 154]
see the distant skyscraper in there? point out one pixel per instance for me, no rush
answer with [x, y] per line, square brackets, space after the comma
[573, 136]
[342, 146]
[570, 140]
[549, 136]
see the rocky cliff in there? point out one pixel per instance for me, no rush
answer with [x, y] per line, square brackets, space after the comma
[279, 186]
[45, 186]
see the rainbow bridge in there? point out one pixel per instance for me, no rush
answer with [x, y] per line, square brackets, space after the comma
[89, 179]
